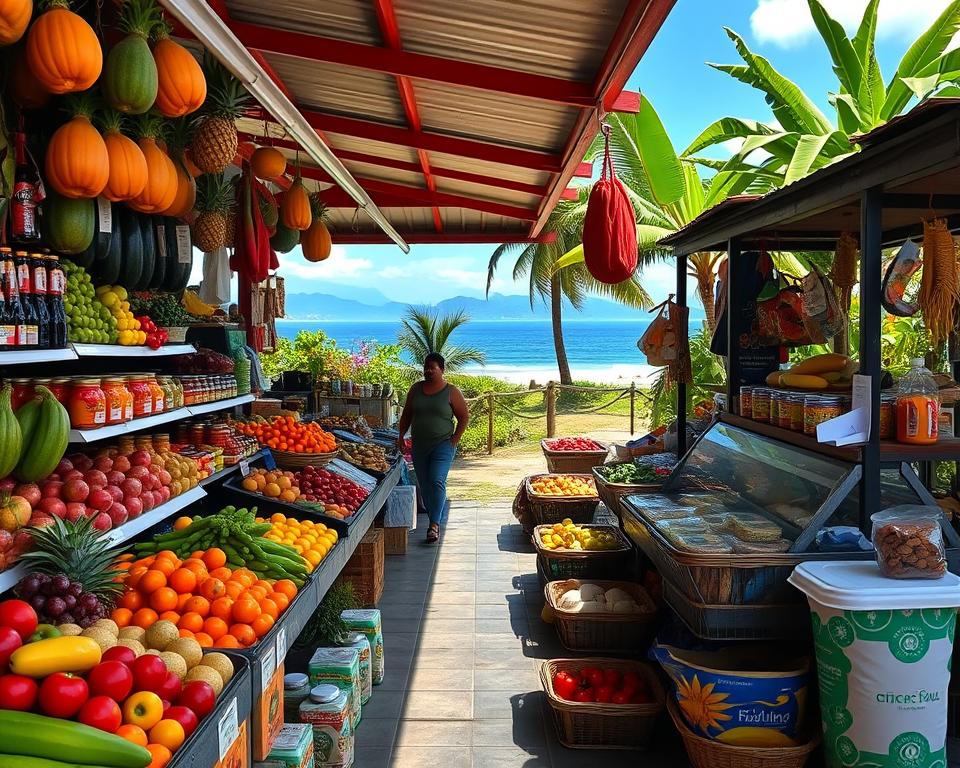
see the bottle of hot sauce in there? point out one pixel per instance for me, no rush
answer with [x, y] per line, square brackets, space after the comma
[23, 206]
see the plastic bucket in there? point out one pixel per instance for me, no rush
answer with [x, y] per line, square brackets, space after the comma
[883, 650]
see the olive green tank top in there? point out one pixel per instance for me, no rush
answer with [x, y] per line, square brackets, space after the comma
[432, 421]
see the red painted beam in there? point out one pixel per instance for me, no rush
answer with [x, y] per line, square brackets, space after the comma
[448, 238]
[393, 61]
[584, 171]
[570, 193]
[626, 101]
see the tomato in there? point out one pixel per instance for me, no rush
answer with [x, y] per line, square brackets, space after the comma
[604, 694]
[101, 712]
[110, 678]
[198, 696]
[120, 653]
[593, 676]
[631, 682]
[564, 684]
[62, 695]
[185, 716]
[612, 678]
[18, 692]
[149, 673]
[18, 615]
[10, 640]
[144, 709]
[169, 733]
[584, 695]
[170, 688]
[620, 697]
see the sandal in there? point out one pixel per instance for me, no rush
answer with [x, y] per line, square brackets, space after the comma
[433, 533]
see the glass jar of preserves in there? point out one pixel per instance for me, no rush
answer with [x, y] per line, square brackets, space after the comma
[746, 402]
[158, 395]
[164, 384]
[87, 404]
[116, 393]
[125, 444]
[795, 403]
[142, 395]
[161, 442]
[177, 389]
[761, 405]
[60, 388]
[783, 400]
[22, 392]
[888, 416]
[818, 409]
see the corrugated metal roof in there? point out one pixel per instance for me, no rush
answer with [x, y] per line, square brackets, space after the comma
[354, 20]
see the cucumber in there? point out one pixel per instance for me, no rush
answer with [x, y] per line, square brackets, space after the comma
[148, 241]
[25, 761]
[55, 739]
[131, 265]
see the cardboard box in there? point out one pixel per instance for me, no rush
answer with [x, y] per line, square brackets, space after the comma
[238, 754]
[268, 714]
[395, 541]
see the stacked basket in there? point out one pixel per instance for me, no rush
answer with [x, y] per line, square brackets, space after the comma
[553, 509]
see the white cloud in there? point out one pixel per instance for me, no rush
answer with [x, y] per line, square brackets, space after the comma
[339, 267]
[787, 23]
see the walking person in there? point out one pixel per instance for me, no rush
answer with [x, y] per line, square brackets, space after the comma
[436, 415]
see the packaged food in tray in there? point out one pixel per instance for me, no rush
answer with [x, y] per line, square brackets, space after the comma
[748, 526]
[688, 525]
[759, 547]
[659, 514]
[909, 542]
[702, 543]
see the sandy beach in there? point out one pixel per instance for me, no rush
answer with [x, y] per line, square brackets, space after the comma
[614, 375]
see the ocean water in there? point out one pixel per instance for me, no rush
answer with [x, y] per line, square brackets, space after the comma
[521, 350]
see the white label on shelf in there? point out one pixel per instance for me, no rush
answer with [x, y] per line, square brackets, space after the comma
[162, 240]
[104, 215]
[184, 245]
[281, 644]
[268, 665]
[228, 728]
[244, 467]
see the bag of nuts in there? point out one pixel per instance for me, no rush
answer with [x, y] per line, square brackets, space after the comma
[909, 542]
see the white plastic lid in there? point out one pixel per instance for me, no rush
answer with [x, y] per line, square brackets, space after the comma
[918, 362]
[856, 585]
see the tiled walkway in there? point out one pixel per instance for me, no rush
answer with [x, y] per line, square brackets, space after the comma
[463, 641]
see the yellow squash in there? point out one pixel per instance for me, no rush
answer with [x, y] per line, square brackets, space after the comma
[819, 364]
[803, 381]
[55, 654]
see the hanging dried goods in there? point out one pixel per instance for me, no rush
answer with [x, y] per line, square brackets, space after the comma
[181, 85]
[939, 286]
[63, 50]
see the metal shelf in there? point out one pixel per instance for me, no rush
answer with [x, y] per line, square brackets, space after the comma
[227, 471]
[147, 520]
[11, 576]
[27, 356]
[220, 405]
[117, 350]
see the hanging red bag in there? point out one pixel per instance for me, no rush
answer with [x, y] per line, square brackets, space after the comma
[609, 228]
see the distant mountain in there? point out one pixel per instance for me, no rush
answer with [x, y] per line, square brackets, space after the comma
[360, 293]
[329, 308]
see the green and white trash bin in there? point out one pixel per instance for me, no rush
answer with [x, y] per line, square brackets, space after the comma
[883, 650]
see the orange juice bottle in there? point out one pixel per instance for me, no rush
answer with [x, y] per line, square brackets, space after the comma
[918, 406]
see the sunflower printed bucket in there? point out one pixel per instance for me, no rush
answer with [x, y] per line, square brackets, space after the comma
[743, 696]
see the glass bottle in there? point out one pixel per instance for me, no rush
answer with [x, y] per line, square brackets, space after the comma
[21, 260]
[918, 406]
[15, 313]
[38, 288]
[23, 206]
[56, 285]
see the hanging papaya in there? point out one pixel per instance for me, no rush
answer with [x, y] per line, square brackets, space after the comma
[161, 188]
[63, 50]
[268, 163]
[70, 222]
[284, 239]
[295, 207]
[315, 241]
[77, 163]
[14, 17]
[129, 81]
[186, 193]
[128, 166]
[181, 85]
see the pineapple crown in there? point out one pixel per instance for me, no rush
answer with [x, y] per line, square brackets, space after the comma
[139, 17]
[111, 121]
[318, 209]
[215, 193]
[83, 104]
[152, 126]
[226, 96]
[77, 550]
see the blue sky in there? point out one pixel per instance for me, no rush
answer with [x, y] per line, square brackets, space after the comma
[688, 96]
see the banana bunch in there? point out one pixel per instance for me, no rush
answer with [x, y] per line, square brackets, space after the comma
[191, 302]
[817, 372]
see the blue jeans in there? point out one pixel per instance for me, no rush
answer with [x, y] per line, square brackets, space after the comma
[432, 466]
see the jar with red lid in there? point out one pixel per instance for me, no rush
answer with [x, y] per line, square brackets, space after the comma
[158, 395]
[60, 388]
[142, 395]
[22, 392]
[87, 404]
[116, 393]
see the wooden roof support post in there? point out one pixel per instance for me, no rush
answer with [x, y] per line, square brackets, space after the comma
[681, 385]
[871, 266]
[734, 290]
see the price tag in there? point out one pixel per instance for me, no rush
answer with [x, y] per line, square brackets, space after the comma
[268, 461]
[184, 246]
[162, 240]
[244, 467]
[104, 215]
[281, 644]
[228, 728]
[268, 665]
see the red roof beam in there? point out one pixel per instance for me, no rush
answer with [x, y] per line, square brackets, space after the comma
[393, 61]
[432, 238]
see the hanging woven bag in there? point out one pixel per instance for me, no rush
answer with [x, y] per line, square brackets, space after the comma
[609, 228]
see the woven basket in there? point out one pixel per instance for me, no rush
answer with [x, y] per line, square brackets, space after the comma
[583, 564]
[288, 460]
[603, 632]
[365, 569]
[706, 753]
[553, 509]
[611, 493]
[176, 333]
[603, 726]
[573, 462]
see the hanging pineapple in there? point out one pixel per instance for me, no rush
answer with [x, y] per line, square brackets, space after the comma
[215, 200]
[215, 138]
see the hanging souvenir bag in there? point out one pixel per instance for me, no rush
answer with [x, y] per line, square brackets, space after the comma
[821, 314]
[609, 228]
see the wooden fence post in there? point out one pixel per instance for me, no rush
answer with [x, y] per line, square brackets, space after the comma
[633, 395]
[490, 401]
[551, 409]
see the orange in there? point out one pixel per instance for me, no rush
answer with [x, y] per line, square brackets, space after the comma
[287, 587]
[280, 600]
[222, 573]
[194, 564]
[172, 616]
[131, 599]
[121, 617]
[125, 557]
[183, 580]
[227, 641]
[234, 589]
[144, 617]
[215, 558]
[268, 607]
[245, 610]
[167, 554]
[264, 584]
[191, 621]
[262, 624]
[212, 589]
[133, 733]
[197, 554]
[257, 593]
[135, 574]
[166, 566]
[152, 580]
[187, 634]
[182, 522]
[182, 600]
[197, 604]
[215, 627]
[169, 733]
[243, 576]
[204, 639]
[160, 755]
[244, 634]
[164, 599]
[222, 608]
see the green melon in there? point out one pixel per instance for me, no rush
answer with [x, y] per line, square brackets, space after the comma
[285, 239]
[129, 81]
[69, 224]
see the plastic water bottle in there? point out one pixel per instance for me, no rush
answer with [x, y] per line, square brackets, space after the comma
[918, 406]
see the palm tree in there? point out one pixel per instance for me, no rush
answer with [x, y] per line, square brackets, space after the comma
[536, 262]
[425, 331]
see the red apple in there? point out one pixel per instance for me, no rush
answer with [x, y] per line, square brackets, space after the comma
[95, 478]
[115, 493]
[183, 715]
[76, 490]
[120, 653]
[170, 688]
[73, 474]
[140, 458]
[103, 464]
[75, 511]
[52, 506]
[134, 505]
[41, 519]
[51, 489]
[100, 499]
[131, 487]
[90, 511]
[138, 472]
[121, 463]
[81, 461]
[165, 478]
[118, 513]
[29, 491]
[154, 469]
[64, 466]
[164, 494]
[102, 522]
[115, 478]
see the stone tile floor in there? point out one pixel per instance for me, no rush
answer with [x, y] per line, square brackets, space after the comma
[463, 642]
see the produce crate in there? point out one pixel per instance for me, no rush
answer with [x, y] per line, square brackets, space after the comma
[582, 564]
[573, 462]
[553, 509]
[266, 506]
[611, 493]
[603, 726]
[603, 632]
[707, 753]
[365, 569]
[395, 540]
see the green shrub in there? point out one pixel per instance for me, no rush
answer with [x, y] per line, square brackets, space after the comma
[507, 430]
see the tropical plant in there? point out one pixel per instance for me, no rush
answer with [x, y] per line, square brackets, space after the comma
[425, 331]
[708, 374]
[803, 138]
[537, 263]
